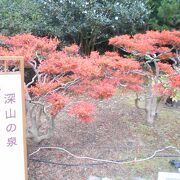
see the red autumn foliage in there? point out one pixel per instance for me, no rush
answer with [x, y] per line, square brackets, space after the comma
[160, 89]
[175, 81]
[58, 101]
[158, 75]
[42, 88]
[166, 68]
[73, 49]
[83, 110]
[57, 62]
[148, 42]
[143, 46]
[59, 73]
[28, 46]
[103, 90]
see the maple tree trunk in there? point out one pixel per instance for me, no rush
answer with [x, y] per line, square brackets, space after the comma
[34, 115]
[151, 105]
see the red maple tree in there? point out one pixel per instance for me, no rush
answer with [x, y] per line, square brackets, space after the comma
[60, 75]
[158, 55]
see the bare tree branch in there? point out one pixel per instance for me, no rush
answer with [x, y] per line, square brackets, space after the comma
[32, 81]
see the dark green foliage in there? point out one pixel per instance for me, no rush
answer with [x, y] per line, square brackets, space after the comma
[87, 23]
[90, 23]
[165, 14]
[19, 16]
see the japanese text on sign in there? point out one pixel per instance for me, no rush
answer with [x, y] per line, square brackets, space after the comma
[11, 128]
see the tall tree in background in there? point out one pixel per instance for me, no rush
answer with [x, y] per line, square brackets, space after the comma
[165, 14]
[86, 23]
[19, 16]
[89, 23]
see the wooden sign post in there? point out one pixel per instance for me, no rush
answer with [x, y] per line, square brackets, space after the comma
[13, 151]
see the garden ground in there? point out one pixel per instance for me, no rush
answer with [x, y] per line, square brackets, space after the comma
[119, 132]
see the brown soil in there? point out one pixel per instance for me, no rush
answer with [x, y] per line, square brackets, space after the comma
[119, 132]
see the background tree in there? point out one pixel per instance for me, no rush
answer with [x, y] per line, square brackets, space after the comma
[89, 23]
[86, 23]
[158, 55]
[20, 16]
[165, 14]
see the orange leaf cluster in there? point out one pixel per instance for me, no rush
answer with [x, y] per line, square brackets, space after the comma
[148, 42]
[71, 50]
[161, 90]
[175, 81]
[166, 68]
[58, 101]
[103, 90]
[81, 88]
[28, 45]
[83, 110]
[126, 64]
[137, 43]
[60, 62]
[57, 62]
[42, 88]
